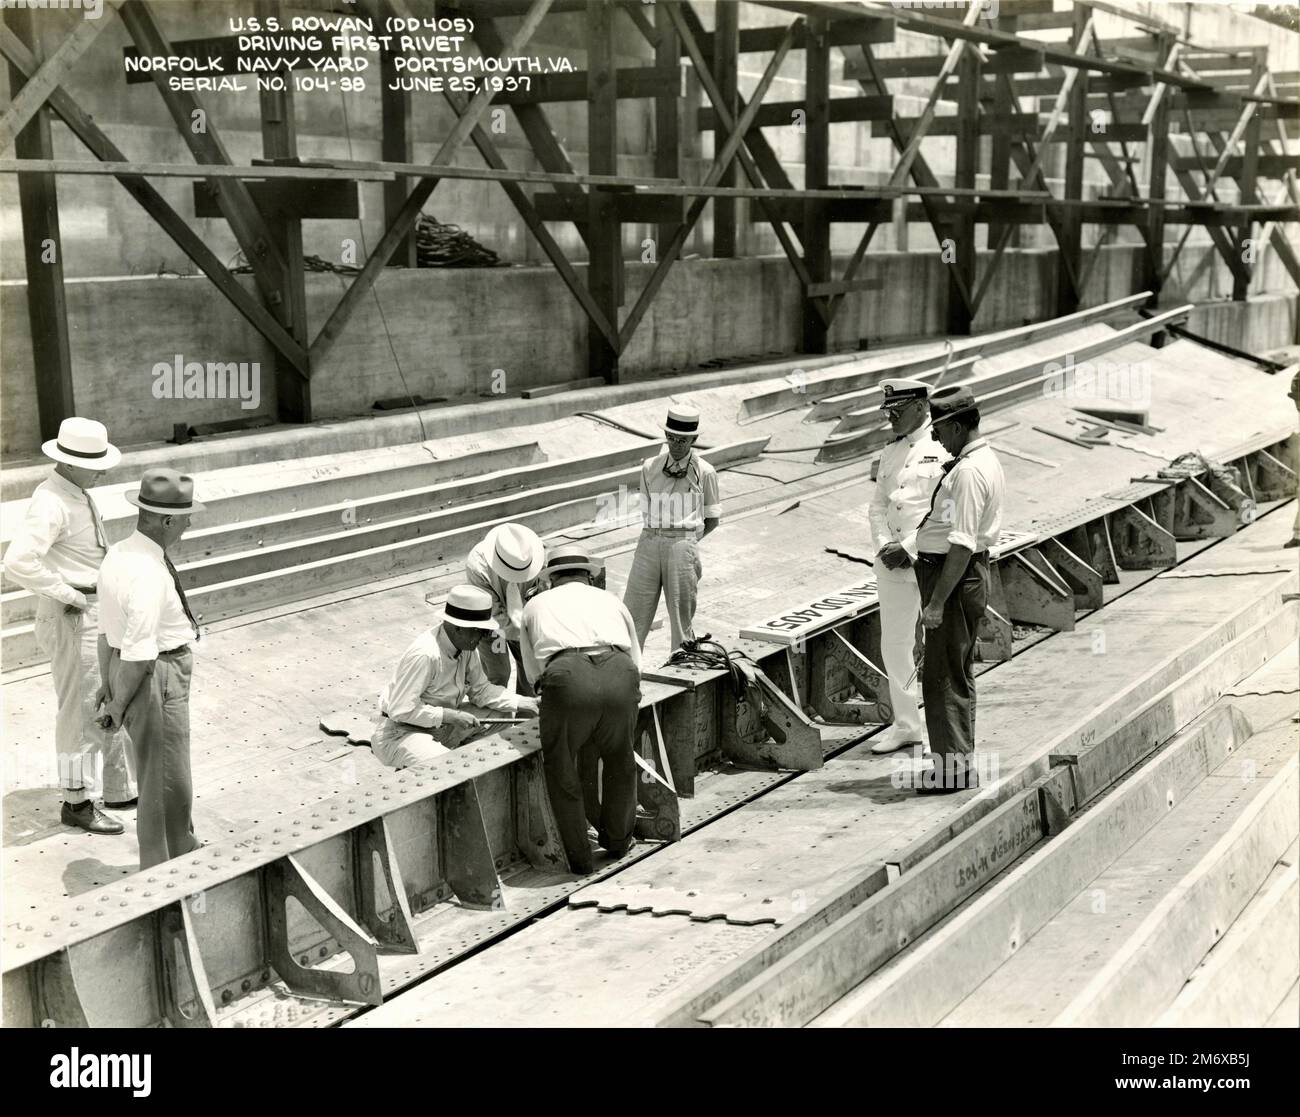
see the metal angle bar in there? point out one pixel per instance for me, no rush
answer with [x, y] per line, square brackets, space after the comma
[721, 160]
[90, 134]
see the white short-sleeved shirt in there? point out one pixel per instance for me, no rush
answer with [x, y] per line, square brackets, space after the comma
[684, 502]
[967, 506]
[574, 615]
[140, 611]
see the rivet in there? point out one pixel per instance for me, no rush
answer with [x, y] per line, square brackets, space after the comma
[226, 996]
[245, 985]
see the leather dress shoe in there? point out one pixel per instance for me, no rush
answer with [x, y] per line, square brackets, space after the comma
[86, 816]
[970, 783]
[124, 805]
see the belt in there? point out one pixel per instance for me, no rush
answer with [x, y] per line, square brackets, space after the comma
[595, 649]
[941, 556]
[174, 651]
[683, 531]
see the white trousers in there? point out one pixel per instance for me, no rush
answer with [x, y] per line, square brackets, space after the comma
[667, 564]
[900, 609]
[90, 759]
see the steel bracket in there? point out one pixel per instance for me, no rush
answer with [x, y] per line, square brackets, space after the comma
[765, 729]
[536, 832]
[376, 862]
[186, 995]
[468, 864]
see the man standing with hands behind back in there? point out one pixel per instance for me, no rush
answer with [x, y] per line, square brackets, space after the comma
[56, 554]
[910, 468]
[952, 569]
[145, 660]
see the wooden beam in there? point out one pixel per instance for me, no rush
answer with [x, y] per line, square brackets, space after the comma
[1026, 60]
[396, 145]
[38, 203]
[817, 155]
[840, 110]
[374, 265]
[35, 91]
[604, 233]
[632, 83]
[725, 59]
[961, 274]
[668, 136]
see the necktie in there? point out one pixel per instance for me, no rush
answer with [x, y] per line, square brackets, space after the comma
[98, 523]
[176, 581]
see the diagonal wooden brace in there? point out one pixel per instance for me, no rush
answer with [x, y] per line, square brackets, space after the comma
[391, 923]
[287, 877]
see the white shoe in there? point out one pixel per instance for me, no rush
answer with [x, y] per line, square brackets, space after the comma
[892, 742]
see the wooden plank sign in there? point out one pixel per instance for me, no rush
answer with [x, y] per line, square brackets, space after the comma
[830, 609]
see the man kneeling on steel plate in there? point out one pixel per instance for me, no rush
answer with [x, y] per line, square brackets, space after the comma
[423, 711]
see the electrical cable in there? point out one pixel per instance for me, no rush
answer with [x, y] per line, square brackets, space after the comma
[706, 654]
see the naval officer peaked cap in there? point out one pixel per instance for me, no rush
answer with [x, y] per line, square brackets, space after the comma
[83, 443]
[899, 390]
[682, 420]
[468, 607]
[516, 553]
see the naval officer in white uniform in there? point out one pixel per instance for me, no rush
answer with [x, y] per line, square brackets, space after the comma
[910, 469]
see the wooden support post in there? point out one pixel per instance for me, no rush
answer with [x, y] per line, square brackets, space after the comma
[468, 864]
[816, 232]
[604, 233]
[536, 832]
[390, 921]
[962, 226]
[726, 55]
[186, 995]
[1070, 240]
[993, 640]
[662, 821]
[1157, 152]
[765, 729]
[1004, 104]
[280, 142]
[1036, 594]
[1199, 514]
[396, 145]
[668, 139]
[1247, 186]
[1140, 543]
[286, 878]
[1083, 578]
[38, 202]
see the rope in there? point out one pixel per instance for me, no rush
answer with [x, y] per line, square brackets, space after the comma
[449, 246]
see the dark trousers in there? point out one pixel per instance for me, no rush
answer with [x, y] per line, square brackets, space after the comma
[948, 672]
[158, 720]
[588, 714]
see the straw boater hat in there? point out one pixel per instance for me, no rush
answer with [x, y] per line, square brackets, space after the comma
[468, 607]
[166, 492]
[682, 420]
[568, 558]
[83, 443]
[898, 390]
[516, 553]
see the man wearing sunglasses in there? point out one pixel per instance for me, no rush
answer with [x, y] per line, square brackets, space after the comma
[910, 468]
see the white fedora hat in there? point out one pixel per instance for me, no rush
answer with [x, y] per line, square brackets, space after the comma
[468, 607]
[83, 443]
[515, 552]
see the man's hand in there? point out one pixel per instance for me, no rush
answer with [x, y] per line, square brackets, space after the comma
[79, 606]
[894, 557]
[526, 708]
[459, 719]
[112, 716]
[101, 697]
[932, 616]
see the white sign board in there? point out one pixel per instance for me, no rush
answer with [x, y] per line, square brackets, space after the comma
[801, 622]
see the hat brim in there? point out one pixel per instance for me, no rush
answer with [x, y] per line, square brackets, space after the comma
[111, 456]
[683, 434]
[569, 567]
[952, 414]
[488, 625]
[161, 509]
[505, 573]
